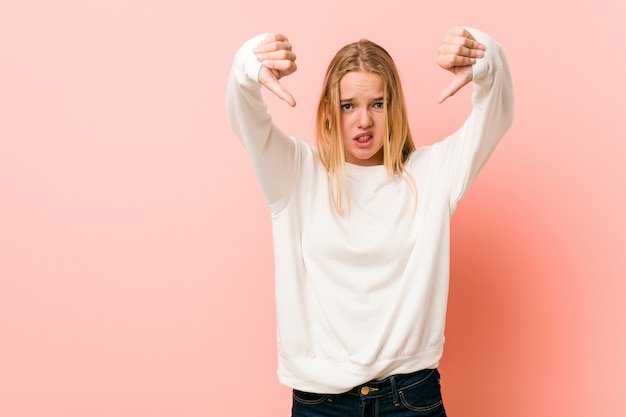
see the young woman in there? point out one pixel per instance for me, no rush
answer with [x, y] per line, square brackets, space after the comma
[361, 222]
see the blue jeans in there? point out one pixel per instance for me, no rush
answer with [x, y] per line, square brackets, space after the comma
[411, 395]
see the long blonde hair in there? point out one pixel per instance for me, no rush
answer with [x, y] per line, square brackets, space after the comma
[366, 56]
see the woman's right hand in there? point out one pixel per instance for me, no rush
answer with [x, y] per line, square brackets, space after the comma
[457, 53]
[278, 60]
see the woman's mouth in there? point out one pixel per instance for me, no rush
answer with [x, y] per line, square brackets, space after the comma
[364, 139]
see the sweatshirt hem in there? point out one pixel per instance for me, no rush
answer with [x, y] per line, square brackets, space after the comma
[336, 376]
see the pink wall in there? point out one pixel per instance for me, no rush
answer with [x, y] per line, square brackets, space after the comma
[135, 249]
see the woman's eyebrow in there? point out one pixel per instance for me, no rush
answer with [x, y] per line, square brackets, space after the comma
[351, 99]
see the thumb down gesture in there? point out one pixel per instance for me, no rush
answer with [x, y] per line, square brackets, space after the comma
[457, 53]
[277, 61]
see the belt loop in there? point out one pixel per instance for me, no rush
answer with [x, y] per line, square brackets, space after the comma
[394, 390]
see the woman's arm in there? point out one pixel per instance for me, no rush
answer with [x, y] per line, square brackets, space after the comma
[273, 154]
[467, 150]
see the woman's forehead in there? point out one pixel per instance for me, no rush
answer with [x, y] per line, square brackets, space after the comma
[360, 83]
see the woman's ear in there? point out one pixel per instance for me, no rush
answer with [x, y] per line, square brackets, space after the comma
[327, 108]
[328, 115]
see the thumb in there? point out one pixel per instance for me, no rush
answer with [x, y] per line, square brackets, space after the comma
[269, 81]
[461, 79]
[277, 88]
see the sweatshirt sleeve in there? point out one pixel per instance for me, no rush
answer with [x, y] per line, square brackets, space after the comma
[466, 151]
[272, 153]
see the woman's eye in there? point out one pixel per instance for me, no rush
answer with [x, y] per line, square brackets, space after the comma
[379, 105]
[346, 107]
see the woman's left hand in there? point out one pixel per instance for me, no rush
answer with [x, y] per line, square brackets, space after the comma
[278, 60]
[457, 53]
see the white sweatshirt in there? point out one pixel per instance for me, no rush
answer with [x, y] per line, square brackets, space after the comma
[363, 296]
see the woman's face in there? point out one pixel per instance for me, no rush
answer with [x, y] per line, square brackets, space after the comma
[362, 117]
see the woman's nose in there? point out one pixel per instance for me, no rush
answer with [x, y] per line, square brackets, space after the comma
[365, 119]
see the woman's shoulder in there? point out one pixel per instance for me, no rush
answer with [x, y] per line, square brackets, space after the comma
[306, 155]
[305, 149]
[426, 157]
[422, 153]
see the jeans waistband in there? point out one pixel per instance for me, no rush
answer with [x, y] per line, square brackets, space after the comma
[390, 385]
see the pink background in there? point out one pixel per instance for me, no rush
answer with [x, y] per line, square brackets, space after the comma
[135, 248]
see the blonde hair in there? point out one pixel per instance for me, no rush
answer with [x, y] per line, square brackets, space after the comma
[370, 57]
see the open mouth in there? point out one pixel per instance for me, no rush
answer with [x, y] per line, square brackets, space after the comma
[364, 138]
